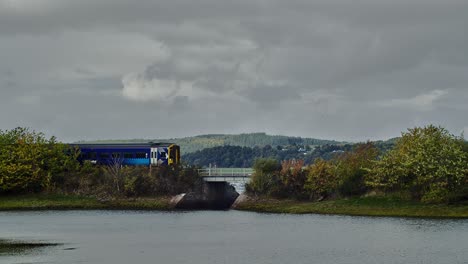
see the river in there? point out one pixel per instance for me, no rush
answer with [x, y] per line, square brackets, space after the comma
[205, 237]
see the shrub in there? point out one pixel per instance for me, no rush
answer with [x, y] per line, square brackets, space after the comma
[293, 177]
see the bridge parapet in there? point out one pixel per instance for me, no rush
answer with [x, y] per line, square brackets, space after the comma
[231, 175]
[224, 172]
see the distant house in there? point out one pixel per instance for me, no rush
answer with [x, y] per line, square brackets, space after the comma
[338, 151]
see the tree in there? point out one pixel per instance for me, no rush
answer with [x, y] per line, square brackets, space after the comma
[114, 170]
[29, 161]
[429, 162]
[265, 176]
[322, 180]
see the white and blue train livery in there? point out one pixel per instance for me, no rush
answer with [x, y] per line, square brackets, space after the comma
[130, 153]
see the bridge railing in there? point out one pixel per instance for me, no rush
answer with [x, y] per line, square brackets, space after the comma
[226, 172]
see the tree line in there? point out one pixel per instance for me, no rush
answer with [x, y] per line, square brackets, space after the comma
[32, 163]
[426, 164]
[244, 157]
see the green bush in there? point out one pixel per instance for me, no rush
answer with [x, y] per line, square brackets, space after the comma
[265, 179]
[429, 162]
[29, 161]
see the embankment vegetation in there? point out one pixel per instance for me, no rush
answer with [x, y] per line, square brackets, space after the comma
[32, 165]
[427, 166]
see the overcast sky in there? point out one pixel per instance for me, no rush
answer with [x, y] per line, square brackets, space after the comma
[334, 69]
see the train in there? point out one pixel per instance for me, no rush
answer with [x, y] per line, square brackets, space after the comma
[151, 153]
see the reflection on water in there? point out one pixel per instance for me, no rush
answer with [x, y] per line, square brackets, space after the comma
[13, 247]
[232, 237]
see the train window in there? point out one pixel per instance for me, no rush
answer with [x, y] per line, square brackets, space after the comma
[163, 155]
[116, 155]
[128, 155]
[172, 154]
[104, 155]
[141, 155]
[93, 155]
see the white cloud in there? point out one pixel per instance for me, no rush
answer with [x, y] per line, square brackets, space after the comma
[139, 88]
[422, 102]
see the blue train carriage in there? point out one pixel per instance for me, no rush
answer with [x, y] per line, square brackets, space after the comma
[157, 154]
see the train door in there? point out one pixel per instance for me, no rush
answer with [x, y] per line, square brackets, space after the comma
[154, 156]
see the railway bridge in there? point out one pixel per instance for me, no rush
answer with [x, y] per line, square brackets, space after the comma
[221, 187]
[231, 175]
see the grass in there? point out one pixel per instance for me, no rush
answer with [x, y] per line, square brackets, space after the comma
[369, 206]
[8, 247]
[73, 202]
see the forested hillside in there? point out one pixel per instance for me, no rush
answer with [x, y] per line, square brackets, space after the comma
[237, 156]
[192, 144]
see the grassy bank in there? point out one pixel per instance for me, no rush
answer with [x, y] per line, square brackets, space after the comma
[71, 202]
[370, 206]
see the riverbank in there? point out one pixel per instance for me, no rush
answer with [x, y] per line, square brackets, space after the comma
[74, 202]
[369, 206]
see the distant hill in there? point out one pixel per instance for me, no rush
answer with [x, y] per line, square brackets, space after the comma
[236, 156]
[193, 144]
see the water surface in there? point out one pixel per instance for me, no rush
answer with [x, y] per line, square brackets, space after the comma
[207, 237]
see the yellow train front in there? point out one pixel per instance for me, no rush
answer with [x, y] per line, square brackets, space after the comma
[174, 154]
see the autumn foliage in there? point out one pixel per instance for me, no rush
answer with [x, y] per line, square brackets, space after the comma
[427, 164]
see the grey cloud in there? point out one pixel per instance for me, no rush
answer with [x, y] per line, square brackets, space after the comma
[423, 102]
[271, 95]
[355, 69]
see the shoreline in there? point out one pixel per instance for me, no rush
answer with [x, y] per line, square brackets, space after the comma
[369, 206]
[74, 202]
